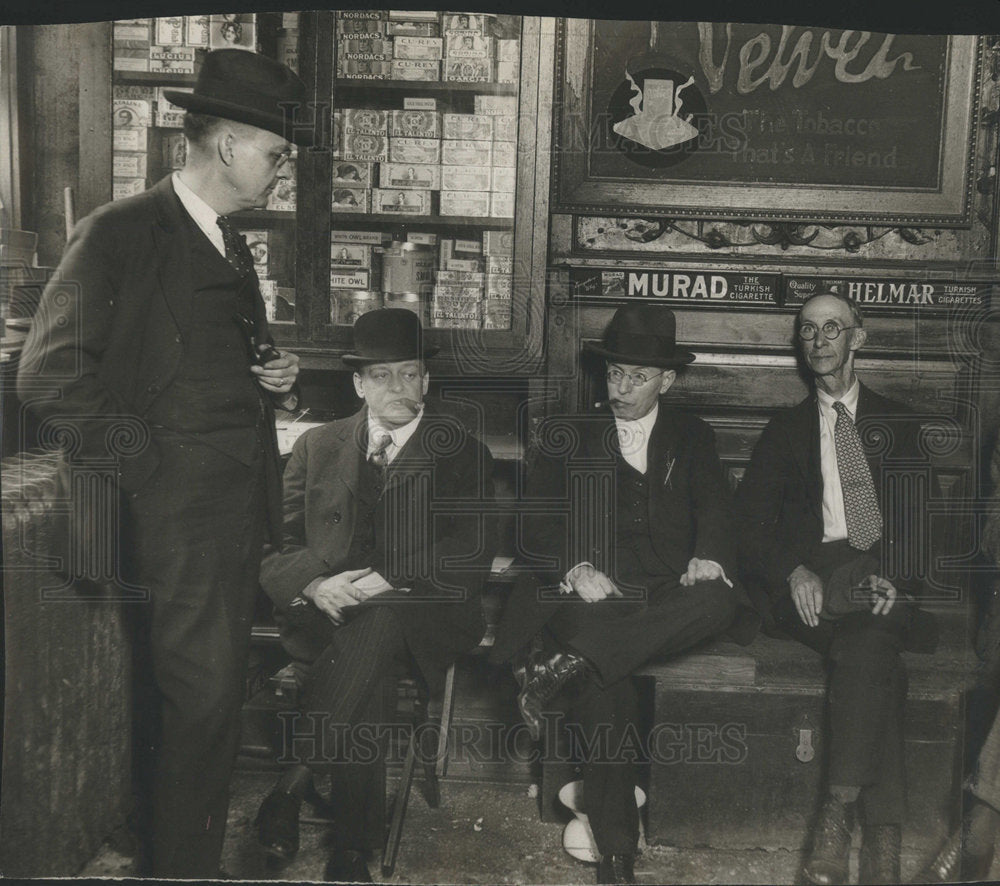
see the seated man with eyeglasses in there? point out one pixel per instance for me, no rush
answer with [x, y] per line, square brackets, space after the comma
[823, 565]
[627, 551]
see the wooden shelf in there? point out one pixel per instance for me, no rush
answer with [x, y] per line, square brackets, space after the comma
[154, 78]
[418, 86]
[381, 219]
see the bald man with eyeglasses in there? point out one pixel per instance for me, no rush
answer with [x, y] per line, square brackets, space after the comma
[816, 556]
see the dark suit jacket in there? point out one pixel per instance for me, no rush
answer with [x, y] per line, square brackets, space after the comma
[436, 486]
[690, 515]
[110, 329]
[780, 499]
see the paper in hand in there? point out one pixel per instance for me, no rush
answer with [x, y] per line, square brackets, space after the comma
[373, 584]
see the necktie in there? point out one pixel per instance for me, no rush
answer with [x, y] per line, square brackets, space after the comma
[379, 455]
[861, 510]
[237, 251]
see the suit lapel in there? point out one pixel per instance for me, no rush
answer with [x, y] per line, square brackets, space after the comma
[804, 440]
[351, 450]
[171, 258]
[868, 410]
[661, 454]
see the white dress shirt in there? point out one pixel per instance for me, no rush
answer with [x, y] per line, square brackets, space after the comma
[204, 216]
[633, 438]
[834, 519]
[398, 436]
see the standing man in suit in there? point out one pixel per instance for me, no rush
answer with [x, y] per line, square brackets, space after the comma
[818, 556]
[381, 567]
[640, 571]
[154, 324]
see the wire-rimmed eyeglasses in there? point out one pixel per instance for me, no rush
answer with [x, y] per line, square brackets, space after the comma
[831, 330]
[636, 379]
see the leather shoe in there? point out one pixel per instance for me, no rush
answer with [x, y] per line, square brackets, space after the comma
[542, 686]
[947, 864]
[879, 859]
[831, 844]
[277, 825]
[616, 869]
[347, 866]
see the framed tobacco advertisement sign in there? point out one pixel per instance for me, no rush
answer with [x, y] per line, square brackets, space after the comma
[746, 121]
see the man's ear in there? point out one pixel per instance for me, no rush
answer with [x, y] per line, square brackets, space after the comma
[859, 337]
[224, 144]
[667, 379]
[427, 382]
[359, 387]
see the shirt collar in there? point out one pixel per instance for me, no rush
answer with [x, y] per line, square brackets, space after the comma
[850, 399]
[198, 209]
[398, 435]
[638, 429]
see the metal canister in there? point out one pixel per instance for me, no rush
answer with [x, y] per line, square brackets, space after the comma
[352, 303]
[407, 267]
[411, 301]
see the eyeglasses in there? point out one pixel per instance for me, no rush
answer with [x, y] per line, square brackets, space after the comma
[831, 330]
[636, 379]
[278, 158]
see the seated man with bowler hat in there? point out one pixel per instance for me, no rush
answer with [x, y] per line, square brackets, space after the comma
[641, 572]
[380, 570]
[152, 341]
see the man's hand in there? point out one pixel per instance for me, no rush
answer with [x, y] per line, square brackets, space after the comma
[332, 595]
[277, 376]
[807, 594]
[591, 584]
[883, 594]
[701, 570]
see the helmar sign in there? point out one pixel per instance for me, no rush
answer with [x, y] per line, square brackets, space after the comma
[939, 296]
[685, 287]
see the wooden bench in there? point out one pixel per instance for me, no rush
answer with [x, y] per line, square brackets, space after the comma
[738, 742]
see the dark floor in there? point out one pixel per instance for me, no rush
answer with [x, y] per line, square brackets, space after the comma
[485, 832]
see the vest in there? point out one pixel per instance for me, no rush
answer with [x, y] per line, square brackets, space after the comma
[367, 542]
[637, 560]
[214, 395]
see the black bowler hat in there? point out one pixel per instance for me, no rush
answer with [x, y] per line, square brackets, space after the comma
[388, 335]
[249, 88]
[642, 335]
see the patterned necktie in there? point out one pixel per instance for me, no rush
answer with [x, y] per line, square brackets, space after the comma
[861, 510]
[379, 456]
[237, 251]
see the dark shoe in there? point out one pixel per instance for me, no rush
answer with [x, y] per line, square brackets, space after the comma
[616, 869]
[277, 826]
[347, 866]
[550, 677]
[831, 844]
[525, 665]
[879, 859]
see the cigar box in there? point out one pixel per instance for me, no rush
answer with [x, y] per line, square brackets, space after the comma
[498, 243]
[463, 22]
[415, 124]
[474, 203]
[131, 112]
[419, 103]
[416, 70]
[288, 49]
[368, 238]
[364, 49]
[455, 311]
[169, 31]
[465, 178]
[131, 59]
[467, 45]
[463, 266]
[127, 187]
[467, 70]
[169, 115]
[129, 92]
[360, 15]
[366, 120]
[501, 204]
[508, 50]
[474, 127]
[197, 30]
[233, 31]
[131, 36]
[259, 244]
[507, 72]
[414, 150]
[461, 278]
[499, 285]
[401, 202]
[496, 312]
[346, 199]
[131, 138]
[504, 178]
[352, 173]
[504, 127]
[282, 198]
[423, 48]
[422, 238]
[505, 154]
[174, 150]
[410, 15]
[496, 104]
[128, 165]
[289, 20]
[410, 176]
[412, 29]
[350, 255]
[497, 265]
[362, 146]
[359, 278]
[463, 152]
[352, 69]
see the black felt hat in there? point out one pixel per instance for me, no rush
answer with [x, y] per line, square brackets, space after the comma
[388, 335]
[642, 335]
[249, 88]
